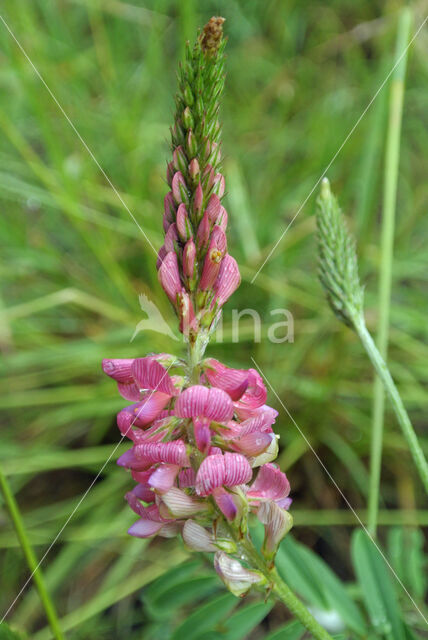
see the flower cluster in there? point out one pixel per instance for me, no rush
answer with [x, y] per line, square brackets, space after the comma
[195, 270]
[195, 451]
[202, 433]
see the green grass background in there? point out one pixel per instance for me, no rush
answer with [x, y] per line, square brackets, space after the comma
[73, 263]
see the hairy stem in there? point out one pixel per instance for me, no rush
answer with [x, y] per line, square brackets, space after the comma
[30, 557]
[397, 403]
[392, 158]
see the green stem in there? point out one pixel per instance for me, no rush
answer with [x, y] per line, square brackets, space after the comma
[392, 158]
[283, 592]
[400, 411]
[29, 554]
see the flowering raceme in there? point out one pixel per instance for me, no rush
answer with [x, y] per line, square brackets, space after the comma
[201, 432]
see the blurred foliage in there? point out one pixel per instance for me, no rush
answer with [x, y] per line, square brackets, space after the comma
[73, 264]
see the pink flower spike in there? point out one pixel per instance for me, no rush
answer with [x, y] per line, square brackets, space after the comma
[225, 503]
[184, 228]
[197, 538]
[189, 257]
[192, 402]
[119, 369]
[201, 429]
[213, 208]
[228, 279]
[171, 238]
[149, 374]
[271, 484]
[170, 452]
[163, 478]
[237, 470]
[169, 276]
[233, 381]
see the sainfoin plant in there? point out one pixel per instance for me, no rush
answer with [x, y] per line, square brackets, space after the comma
[203, 444]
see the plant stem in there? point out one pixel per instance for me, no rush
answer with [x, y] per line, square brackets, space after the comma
[400, 411]
[392, 158]
[29, 554]
[283, 591]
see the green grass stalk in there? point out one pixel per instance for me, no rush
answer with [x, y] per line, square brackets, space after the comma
[30, 557]
[392, 159]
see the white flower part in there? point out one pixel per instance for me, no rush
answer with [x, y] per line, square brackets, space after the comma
[197, 538]
[278, 523]
[181, 505]
[267, 456]
[237, 578]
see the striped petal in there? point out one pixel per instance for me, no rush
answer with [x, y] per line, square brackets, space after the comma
[150, 374]
[237, 470]
[197, 538]
[271, 484]
[192, 402]
[168, 452]
[119, 369]
[233, 381]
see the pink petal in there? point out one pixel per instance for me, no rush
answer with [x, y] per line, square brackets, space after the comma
[219, 406]
[161, 256]
[142, 413]
[163, 478]
[144, 528]
[261, 422]
[219, 184]
[187, 478]
[213, 208]
[203, 233]
[184, 228]
[213, 259]
[237, 469]
[170, 452]
[210, 475]
[169, 207]
[192, 402]
[201, 429]
[119, 369]
[129, 391]
[198, 198]
[271, 484]
[171, 237]
[169, 276]
[233, 381]
[179, 187]
[130, 461]
[255, 395]
[253, 444]
[222, 219]
[149, 374]
[189, 257]
[228, 279]
[225, 503]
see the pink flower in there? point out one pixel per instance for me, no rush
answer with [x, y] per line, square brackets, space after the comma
[218, 470]
[228, 280]
[271, 484]
[198, 401]
[169, 276]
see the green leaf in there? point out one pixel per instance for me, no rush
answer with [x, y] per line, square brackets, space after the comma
[241, 623]
[376, 586]
[291, 631]
[175, 576]
[191, 590]
[205, 617]
[406, 550]
[6, 633]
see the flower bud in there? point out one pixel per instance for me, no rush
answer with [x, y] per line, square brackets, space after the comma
[187, 119]
[171, 237]
[184, 228]
[179, 159]
[189, 256]
[169, 173]
[188, 95]
[194, 170]
[169, 276]
[208, 178]
[219, 185]
[179, 188]
[228, 279]
[278, 523]
[198, 199]
[191, 144]
[236, 578]
[203, 233]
